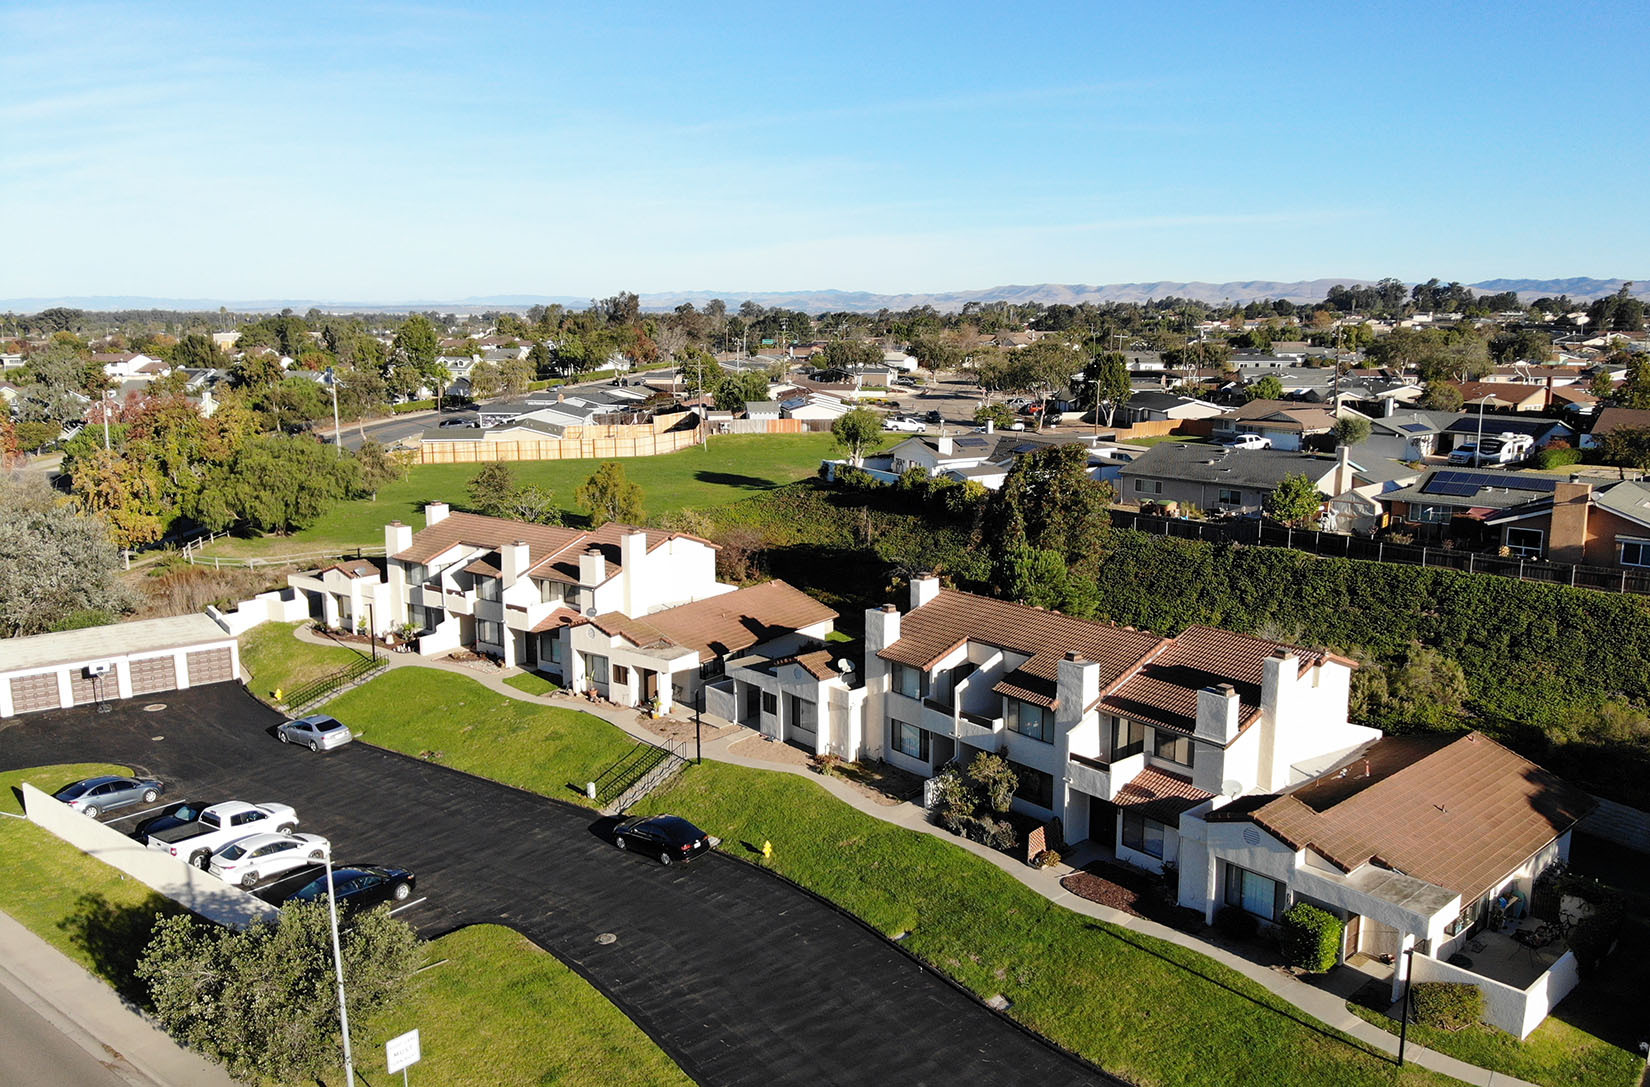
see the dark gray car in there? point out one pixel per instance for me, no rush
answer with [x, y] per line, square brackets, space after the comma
[100, 794]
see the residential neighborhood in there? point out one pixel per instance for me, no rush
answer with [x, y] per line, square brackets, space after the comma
[582, 546]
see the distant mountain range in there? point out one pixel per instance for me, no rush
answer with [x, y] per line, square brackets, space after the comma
[1580, 288]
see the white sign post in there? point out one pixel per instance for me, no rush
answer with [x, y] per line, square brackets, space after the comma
[401, 1052]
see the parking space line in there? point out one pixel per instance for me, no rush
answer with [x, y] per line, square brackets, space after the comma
[409, 905]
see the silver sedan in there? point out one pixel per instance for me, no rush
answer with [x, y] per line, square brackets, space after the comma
[318, 732]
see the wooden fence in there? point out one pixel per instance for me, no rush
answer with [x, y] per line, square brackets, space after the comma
[1159, 428]
[579, 443]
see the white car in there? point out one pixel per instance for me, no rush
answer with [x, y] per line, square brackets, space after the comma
[903, 422]
[250, 861]
[1249, 441]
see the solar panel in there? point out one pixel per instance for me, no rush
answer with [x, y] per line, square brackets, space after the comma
[1414, 426]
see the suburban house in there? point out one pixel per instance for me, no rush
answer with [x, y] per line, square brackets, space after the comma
[1358, 509]
[1221, 480]
[818, 408]
[1410, 840]
[1406, 435]
[1503, 396]
[1612, 419]
[1286, 423]
[1456, 503]
[1470, 425]
[1608, 525]
[1154, 407]
[122, 365]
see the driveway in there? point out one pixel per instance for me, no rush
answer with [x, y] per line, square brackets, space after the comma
[740, 977]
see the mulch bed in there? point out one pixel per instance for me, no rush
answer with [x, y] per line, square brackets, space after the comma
[1131, 890]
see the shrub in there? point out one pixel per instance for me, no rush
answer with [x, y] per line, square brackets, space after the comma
[953, 801]
[1311, 937]
[1553, 457]
[1592, 937]
[1048, 858]
[1449, 1005]
[995, 779]
[995, 833]
[1236, 924]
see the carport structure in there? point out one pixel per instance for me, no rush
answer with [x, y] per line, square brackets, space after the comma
[742, 978]
[120, 660]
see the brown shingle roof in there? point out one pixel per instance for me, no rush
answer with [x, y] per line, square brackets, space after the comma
[1460, 817]
[474, 530]
[560, 617]
[952, 618]
[819, 663]
[1164, 689]
[1160, 795]
[1615, 418]
[723, 624]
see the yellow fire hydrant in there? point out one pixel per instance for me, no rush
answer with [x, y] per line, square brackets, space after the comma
[767, 850]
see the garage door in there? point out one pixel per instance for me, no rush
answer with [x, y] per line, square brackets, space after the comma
[86, 690]
[36, 692]
[210, 666]
[154, 674]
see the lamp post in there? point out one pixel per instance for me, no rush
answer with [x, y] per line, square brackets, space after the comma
[338, 967]
[106, 394]
[1409, 984]
[331, 380]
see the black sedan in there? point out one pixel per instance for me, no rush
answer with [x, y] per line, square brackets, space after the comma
[668, 837]
[357, 886]
[100, 794]
[173, 815]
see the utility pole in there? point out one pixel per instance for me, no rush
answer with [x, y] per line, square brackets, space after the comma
[338, 966]
[106, 393]
[331, 380]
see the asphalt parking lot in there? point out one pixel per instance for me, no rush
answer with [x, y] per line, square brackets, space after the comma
[740, 977]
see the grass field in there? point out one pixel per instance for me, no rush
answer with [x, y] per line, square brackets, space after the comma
[501, 1012]
[531, 683]
[457, 722]
[278, 661]
[731, 467]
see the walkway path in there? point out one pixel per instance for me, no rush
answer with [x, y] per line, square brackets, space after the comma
[1324, 1006]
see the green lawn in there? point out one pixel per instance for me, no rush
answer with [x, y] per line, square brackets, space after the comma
[278, 661]
[502, 1012]
[457, 722]
[730, 468]
[1149, 1011]
[531, 683]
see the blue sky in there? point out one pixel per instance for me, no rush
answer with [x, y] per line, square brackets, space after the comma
[394, 152]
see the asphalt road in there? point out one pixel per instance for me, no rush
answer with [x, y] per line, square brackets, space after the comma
[35, 1053]
[739, 976]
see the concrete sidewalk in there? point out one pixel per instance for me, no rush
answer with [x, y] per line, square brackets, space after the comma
[89, 1013]
[1321, 1005]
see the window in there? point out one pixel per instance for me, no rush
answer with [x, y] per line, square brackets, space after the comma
[1173, 748]
[1143, 835]
[416, 616]
[908, 739]
[1127, 738]
[1252, 892]
[1524, 542]
[1149, 486]
[595, 667]
[1036, 787]
[1432, 515]
[1226, 496]
[770, 703]
[489, 632]
[1634, 552]
[553, 640]
[552, 592]
[1028, 720]
[712, 669]
[417, 573]
[621, 674]
[910, 682]
[488, 587]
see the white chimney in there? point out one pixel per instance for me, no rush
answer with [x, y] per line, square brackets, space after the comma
[434, 513]
[592, 567]
[1217, 713]
[397, 538]
[633, 562]
[513, 561]
[924, 587]
[943, 445]
[990, 427]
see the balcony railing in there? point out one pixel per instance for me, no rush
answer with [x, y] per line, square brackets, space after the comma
[1103, 779]
[974, 726]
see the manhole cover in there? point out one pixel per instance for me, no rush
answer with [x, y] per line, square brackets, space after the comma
[154, 707]
[607, 938]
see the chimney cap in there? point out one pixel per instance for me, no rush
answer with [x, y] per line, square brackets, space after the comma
[520, 543]
[1226, 689]
[889, 608]
[396, 524]
[592, 550]
[1074, 656]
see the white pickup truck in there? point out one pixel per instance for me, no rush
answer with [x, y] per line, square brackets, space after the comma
[219, 825]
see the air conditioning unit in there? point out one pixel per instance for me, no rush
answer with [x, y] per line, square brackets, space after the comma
[100, 668]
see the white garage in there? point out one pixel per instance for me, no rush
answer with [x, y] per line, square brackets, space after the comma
[121, 660]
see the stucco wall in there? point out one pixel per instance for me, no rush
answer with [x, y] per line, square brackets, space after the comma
[195, 890]
[1515, 1011]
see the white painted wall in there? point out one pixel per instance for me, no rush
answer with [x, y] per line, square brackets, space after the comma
[1516, 1011]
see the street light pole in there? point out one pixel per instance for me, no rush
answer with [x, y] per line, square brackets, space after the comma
[338, 966]
[337, 437]
[106, 393]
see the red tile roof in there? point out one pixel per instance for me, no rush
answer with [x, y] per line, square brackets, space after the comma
[1158, 794]
[560, 617]
[722, 624]
[552, 551]
[1460, 816]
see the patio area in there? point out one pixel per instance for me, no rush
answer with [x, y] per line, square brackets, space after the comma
[1509, 959]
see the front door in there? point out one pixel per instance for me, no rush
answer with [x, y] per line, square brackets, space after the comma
[753, 705]
[1353, 925]
[1103, 822]
[650, 685]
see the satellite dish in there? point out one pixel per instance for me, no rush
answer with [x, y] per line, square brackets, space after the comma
[844, 665]
[1231, 788]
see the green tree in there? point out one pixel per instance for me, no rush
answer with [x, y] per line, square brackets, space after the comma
[197, 352]
[856, 433]
[415, 344]
[490, 489]
[1000, 416]
[517, 374]
[848, 354]
[1635, 389]
[609, 496]
[1600, 386]
[486, 381]
[378, 466]
[1626, 447]
[262, 1000]
[1441, 396]
[1294, 501]
[278, 483]
[1048, 503]
[1106, 384]
[1425, 688]
[54, 560]
[257, 369]
[742, 388]
[126, 493]
[541, 360]
[1351, 430]
[534, 504]
[1267, 388]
